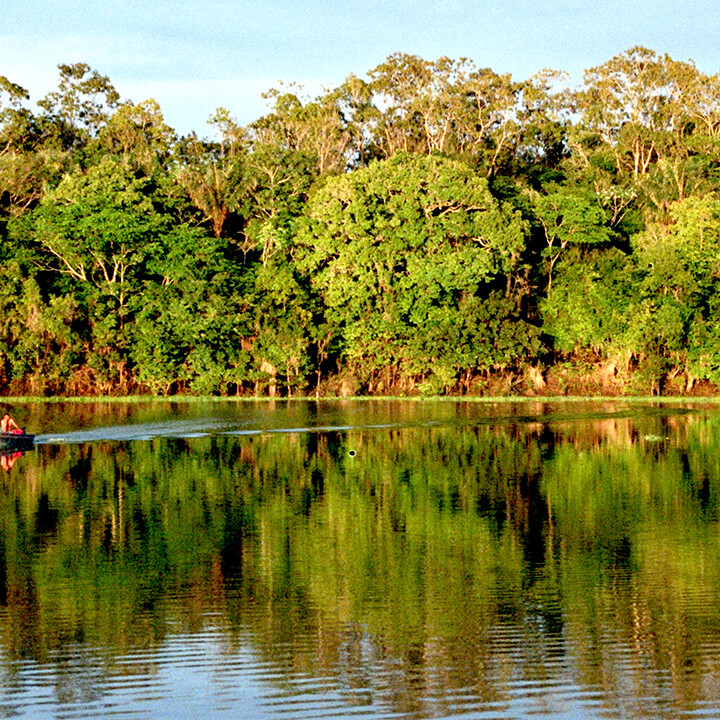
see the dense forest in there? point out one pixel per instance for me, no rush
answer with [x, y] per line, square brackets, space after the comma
[434, 228]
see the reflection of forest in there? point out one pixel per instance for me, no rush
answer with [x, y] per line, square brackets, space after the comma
[430, 569]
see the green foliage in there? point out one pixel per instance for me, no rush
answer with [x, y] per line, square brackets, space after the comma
[410, 232]
[682, 269]
[282, 328]
[568, 216]
[591, 303]
[213, 181]
[392, 250]
[683, 257]
[82, 102]
[100, 228]
[40, 345]
[138, 133]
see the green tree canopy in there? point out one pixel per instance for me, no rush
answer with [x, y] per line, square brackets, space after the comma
[392, 250]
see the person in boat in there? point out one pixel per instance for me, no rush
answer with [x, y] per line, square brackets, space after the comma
[8, 425]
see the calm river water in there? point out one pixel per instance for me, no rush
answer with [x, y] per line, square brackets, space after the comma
[369, 559]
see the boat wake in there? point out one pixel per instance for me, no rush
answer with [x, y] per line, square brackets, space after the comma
[187, 430]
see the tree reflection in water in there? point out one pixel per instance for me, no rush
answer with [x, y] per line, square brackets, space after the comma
[544, 561]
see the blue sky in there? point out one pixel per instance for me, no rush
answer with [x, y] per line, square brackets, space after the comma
[194, 56]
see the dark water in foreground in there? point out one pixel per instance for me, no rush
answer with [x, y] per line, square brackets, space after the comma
[367, 559]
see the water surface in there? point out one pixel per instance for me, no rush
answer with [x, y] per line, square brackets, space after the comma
[377, 559]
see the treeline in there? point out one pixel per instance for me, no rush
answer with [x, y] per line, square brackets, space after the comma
[436, 228]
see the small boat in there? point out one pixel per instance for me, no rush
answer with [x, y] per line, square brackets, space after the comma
[12, 441]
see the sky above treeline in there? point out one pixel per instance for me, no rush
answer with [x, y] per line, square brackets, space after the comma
[193, 56]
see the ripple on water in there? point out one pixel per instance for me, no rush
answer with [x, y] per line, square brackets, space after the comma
[202, 674]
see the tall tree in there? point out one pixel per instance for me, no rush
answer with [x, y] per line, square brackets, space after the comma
[102, 231]
[83, 101]
[138, 134]
[568, 216]
[315, 127]
[649, 112]
[25, 167]
[415, 96]
[392, 250]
